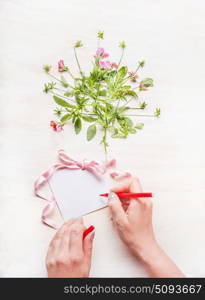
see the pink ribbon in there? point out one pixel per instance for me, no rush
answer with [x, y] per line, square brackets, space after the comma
[67, 162]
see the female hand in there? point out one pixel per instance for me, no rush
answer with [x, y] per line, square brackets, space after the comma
[133, 221]
[132, 217]
[68, 254]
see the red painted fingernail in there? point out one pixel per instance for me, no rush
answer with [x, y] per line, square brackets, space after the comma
[88, 230]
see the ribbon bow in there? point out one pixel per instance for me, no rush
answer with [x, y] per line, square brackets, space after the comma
[92, 166]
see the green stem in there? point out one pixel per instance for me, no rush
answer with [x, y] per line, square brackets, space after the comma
[115, 112]
[88, 114]
[58, 95]
[137, 68]
[127, 102]
[140, 115]
[54, 77]
[69, 72]
[59, 80]
[105, 141]
[121, 57]
[134, 108]
[118, 103]
[59, 89]
[134, 73]
[98, 43]
[76, 57]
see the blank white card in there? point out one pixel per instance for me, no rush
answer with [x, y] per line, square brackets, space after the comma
[77, 192]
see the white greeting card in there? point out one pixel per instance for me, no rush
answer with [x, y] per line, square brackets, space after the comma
[77, 192]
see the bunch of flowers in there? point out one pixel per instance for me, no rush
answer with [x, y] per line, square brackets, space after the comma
[104, 98]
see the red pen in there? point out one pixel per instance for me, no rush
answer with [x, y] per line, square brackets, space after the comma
[130, 195]
[88, 230]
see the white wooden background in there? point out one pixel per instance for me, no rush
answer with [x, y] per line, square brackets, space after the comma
[168, 155]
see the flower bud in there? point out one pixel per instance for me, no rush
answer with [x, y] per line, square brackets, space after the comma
[46, 68]
[78, 44]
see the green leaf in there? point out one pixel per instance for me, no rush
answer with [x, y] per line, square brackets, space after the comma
[91, 132]
[103, 93]
[89, 118]
[139, 126]
[68, 94]
[49, 86]
[143, 105]
[58, 111]
[64, 82]
[78, 125]
[101, 34]
[112, 73]
[123, 108]
[122, 71]
[119, 136]
[73, 119]
[132, 130]
[126, 87]
[81, 100]
[128, 122]
[66, 117]
[62, 102]
[130, 93]
[157, 112]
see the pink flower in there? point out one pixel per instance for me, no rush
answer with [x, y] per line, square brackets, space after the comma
[101, 52]
[61, 66]
[115, 66]
[105, 55]
[102, 64]
[55, 126]
[108, 65]
[105, 65]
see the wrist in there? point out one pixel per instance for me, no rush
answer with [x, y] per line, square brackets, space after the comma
[148, 252]
[157, 263]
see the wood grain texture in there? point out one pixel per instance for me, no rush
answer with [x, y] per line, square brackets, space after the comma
[168, 155]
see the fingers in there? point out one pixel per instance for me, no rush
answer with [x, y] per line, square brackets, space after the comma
[65, 238]
[55, 244]
[116, 209]
[135, 186]
[68, 245]
[123, 186]
[61, 231]
[139, 205]
[76, 240]
[133, 207]
[129, 185]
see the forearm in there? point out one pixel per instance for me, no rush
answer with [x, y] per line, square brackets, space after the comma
[158, 264]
